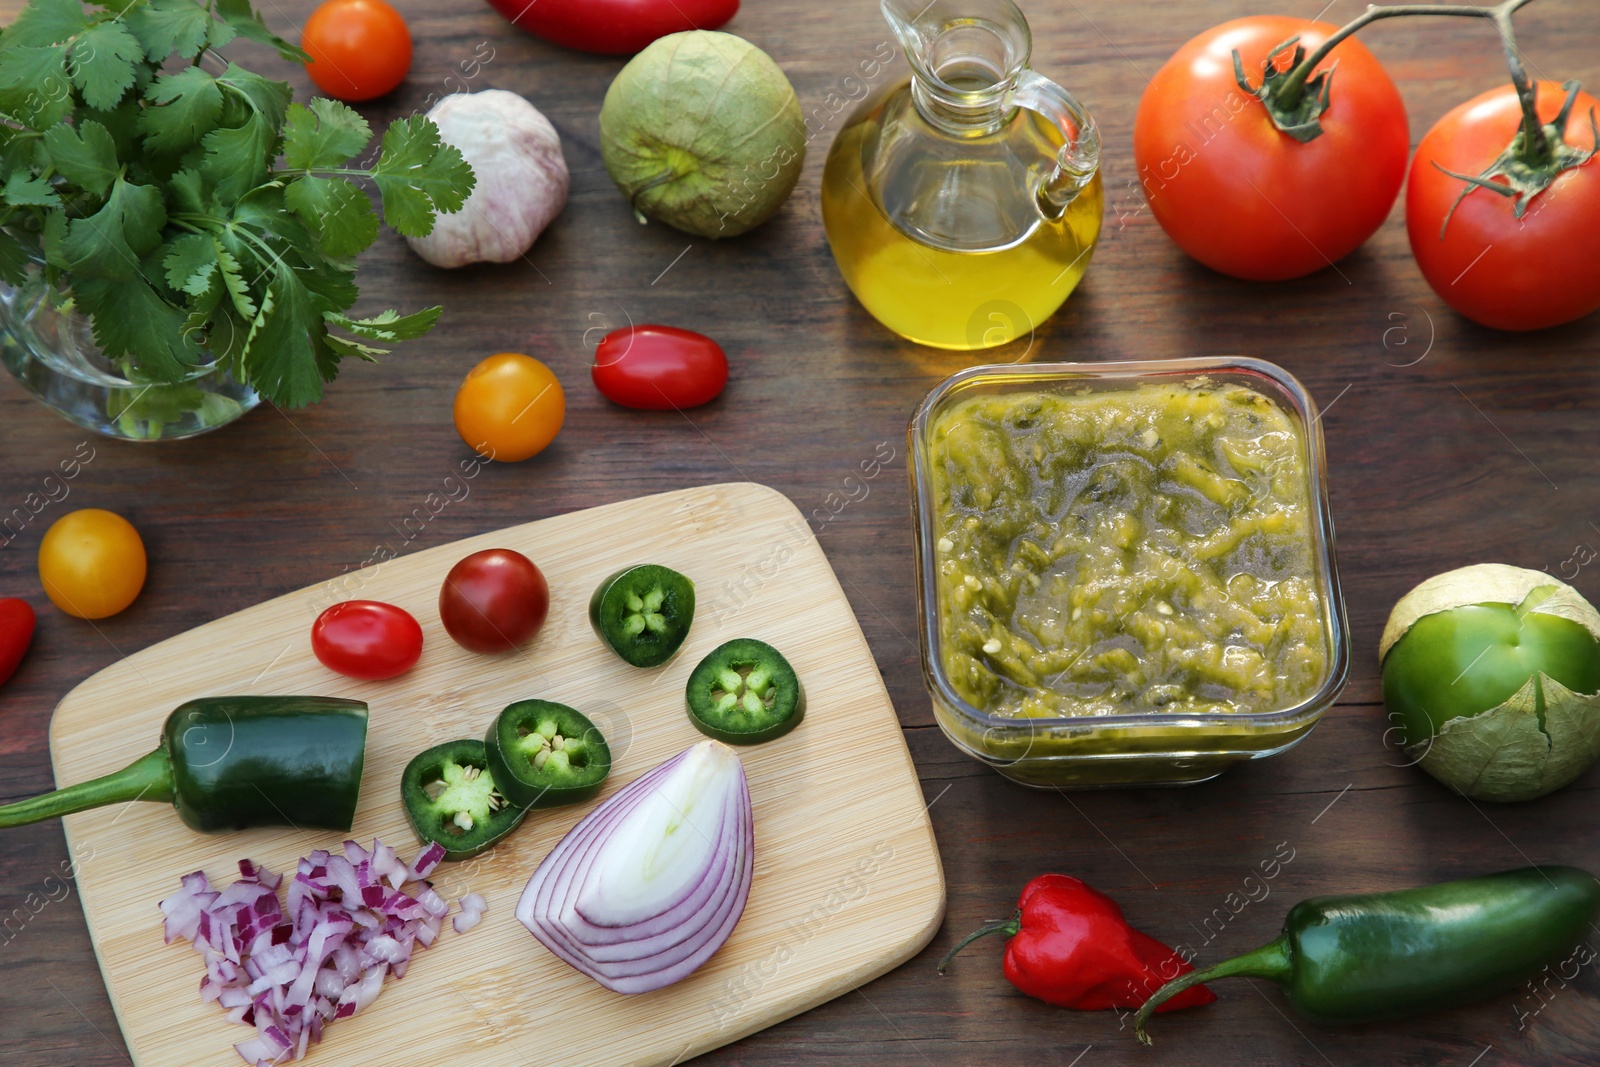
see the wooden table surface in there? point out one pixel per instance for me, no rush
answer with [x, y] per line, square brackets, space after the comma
[1449, 444]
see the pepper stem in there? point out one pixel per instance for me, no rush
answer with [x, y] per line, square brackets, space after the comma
[1269, 961]
[1009, 927]
[148, 778]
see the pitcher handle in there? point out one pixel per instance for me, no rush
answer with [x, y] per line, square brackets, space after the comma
[1079, 158]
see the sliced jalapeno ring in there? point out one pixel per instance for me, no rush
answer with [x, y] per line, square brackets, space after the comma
[452, 798]
[643, 613]
[544, 754]
[745, 692]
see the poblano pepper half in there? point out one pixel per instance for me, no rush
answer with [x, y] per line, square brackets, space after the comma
[226, 763]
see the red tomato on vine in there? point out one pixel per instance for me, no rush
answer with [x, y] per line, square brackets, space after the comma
[1238, 191]
[1503, 259]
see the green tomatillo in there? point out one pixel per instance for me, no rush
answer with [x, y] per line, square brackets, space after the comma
[703, 131]
[1491, 678]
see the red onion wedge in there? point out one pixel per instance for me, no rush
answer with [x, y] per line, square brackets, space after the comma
[650, 884]
[291, 969]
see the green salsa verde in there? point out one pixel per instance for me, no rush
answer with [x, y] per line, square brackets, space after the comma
[1111, 552]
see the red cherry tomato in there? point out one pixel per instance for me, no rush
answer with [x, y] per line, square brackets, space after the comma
[16, 634]
[1496, 269]
[614, 27]
[360, 49]
[659, 368]
[493, 601]
[367, 639]
[1242, 196]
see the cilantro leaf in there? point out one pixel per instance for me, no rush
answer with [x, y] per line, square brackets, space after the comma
[204, 299]
[279, 356]
[109, 243]
[101, 63]
[33, 84]
[268, 98]
[264, 212]
[236, 159]
[225, 335]
[390, 325]
[238, 288]
[20, 152]
[122, 122]
[330, 280]
[23, 188]
[417, 174]
[334, 284]
[45, 22]
[13, 259]
[336, 211]
[189, 191]
[86, 156]
[247, 23]
[52, 235]
[188, 106]
[181, 26]
[343, 346]
[129, 319]
[323, 135]
[191, 264]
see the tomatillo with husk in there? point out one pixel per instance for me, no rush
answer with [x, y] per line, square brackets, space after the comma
[1491, 674]
[703, 131]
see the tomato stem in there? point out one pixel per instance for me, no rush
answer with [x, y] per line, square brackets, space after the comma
[1296, 98]
[1539, 152]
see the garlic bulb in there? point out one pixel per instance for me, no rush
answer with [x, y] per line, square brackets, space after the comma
[522, 179]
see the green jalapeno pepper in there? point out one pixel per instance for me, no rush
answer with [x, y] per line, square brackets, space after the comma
[1390, 955]
[543, 754]
[643, 613]
[745, 692]
[226, 763]
[454, 800]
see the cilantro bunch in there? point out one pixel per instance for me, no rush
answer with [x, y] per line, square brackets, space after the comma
[154, 190]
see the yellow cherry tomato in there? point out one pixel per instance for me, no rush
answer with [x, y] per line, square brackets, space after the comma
[92, 563]
[509, 407]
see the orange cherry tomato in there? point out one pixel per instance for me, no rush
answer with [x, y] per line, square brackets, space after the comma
[92, 563]
[509, 407]
[360, 49]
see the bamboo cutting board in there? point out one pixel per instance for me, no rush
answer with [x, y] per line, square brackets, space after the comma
[847, 879]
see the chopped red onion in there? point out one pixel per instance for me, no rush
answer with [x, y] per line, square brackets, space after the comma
[289, 969]
[471, 908]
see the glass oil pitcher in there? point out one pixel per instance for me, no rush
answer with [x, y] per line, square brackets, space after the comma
[963, 205]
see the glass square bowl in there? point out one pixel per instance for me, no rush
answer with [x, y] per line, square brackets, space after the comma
[1143, 747]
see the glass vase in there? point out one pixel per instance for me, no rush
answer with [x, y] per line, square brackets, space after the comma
[47, 345]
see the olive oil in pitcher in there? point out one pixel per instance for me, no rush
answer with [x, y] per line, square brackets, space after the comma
[963, 206]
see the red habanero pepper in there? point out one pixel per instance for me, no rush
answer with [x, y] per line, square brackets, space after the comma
[16, 634]
[1070, 946]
